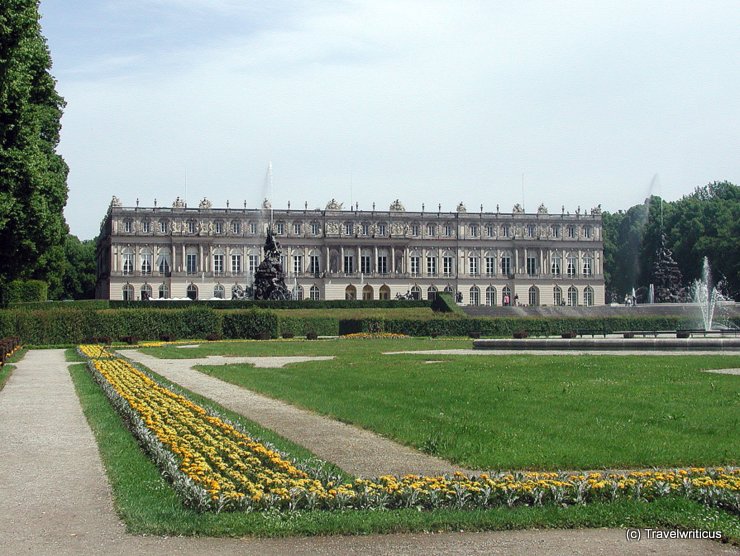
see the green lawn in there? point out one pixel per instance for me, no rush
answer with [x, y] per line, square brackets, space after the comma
[148, 505]
[510, 412]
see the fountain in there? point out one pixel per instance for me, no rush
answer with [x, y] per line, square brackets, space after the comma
[706, 295]
[269, 278]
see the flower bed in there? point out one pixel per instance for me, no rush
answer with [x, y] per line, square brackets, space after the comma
[214, 465]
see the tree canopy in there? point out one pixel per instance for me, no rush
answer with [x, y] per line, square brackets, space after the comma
[705, 223]
[33, 188]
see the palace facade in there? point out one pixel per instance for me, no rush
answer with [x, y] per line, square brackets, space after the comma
[492, 258]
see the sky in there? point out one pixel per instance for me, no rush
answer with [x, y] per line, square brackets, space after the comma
[574, 104]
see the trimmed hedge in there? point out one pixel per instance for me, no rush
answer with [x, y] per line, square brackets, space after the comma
[445, 303]
[91, 304]
[25, 290]
[271, 304]
[74, 325]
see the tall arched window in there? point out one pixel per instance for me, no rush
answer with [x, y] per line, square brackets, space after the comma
[572, 296]
[367, 292]
[350, 293]
[506, 296]
[164, 291]
[146, 292]
[146, 260]
[128, 292]
[192, 292]
[219, 292]
[475, 295]
[490, 296]
[534, 296]
[557, 296]
[588, 296]
[431, 293]
[385, 292]
[128, 261]
[315, 293]
[415, 292]
[298, 293]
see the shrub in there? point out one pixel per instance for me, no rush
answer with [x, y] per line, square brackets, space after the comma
[166, 338]
[311, 335]
[629, 334]
[519, 334]
[253, 324]
[131, 340]
[568, 335]
[683, 334]
[213, 337]
[20, 291]
[474, 335]
[288, 335]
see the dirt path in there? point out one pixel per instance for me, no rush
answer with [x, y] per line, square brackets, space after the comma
[55, 499]
[357, 451]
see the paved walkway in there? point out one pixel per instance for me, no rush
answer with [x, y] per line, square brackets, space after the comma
[358, 451]
[55, 499]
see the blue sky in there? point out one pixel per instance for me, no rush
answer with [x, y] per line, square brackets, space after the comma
[562, 103]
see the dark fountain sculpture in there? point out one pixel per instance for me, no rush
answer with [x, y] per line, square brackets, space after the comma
[269, 278]
[667, 276]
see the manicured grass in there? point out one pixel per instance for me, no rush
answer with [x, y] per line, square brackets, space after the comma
[512, 412]
[148, 505]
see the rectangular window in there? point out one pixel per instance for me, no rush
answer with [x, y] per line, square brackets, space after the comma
[279, 228]
[145, 227]
[382, 264]
[349, 229]
[506, 265]
[381, 229]
[164, 263]
[431, 266]
[254, 262]
[448, 230]
[531, 265]
[447, 267]
[490, 266]
[414, 263]
[473, 230]
[349, 266]
[218, 264]
[146, 263]
[315, 228]
[473, 266]
[531, 230]
[490, 230]
[236, 264]
[218, 227]
[313, 264]
[236, 227]
[431, 230]
[555, 267]
[587, 232]
[163, 227]
[572, 266]
[365, 230]
[297, 264]
[587, 266]
[571, 232]
[252, 228]
[415, 230]
[297, 228]
[191, 263]
[365, 267]
[555, 232]
[506, 230]
[191, 226]
[128, 263]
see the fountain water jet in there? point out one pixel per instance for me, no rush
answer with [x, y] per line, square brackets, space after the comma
[706, 295]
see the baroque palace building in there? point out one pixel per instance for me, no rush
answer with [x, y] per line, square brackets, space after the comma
[493, 258]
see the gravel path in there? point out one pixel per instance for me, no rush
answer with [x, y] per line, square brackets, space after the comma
[55, 497]
[360, 452]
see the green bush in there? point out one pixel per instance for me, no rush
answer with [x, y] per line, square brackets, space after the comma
[270, 304]
[92, 304]
[445, 303]
[18, 291]
[300, 326]
[253, 323]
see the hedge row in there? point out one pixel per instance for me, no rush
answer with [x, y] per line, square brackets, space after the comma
[66, 326]
[506, 326]
[17, 291]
